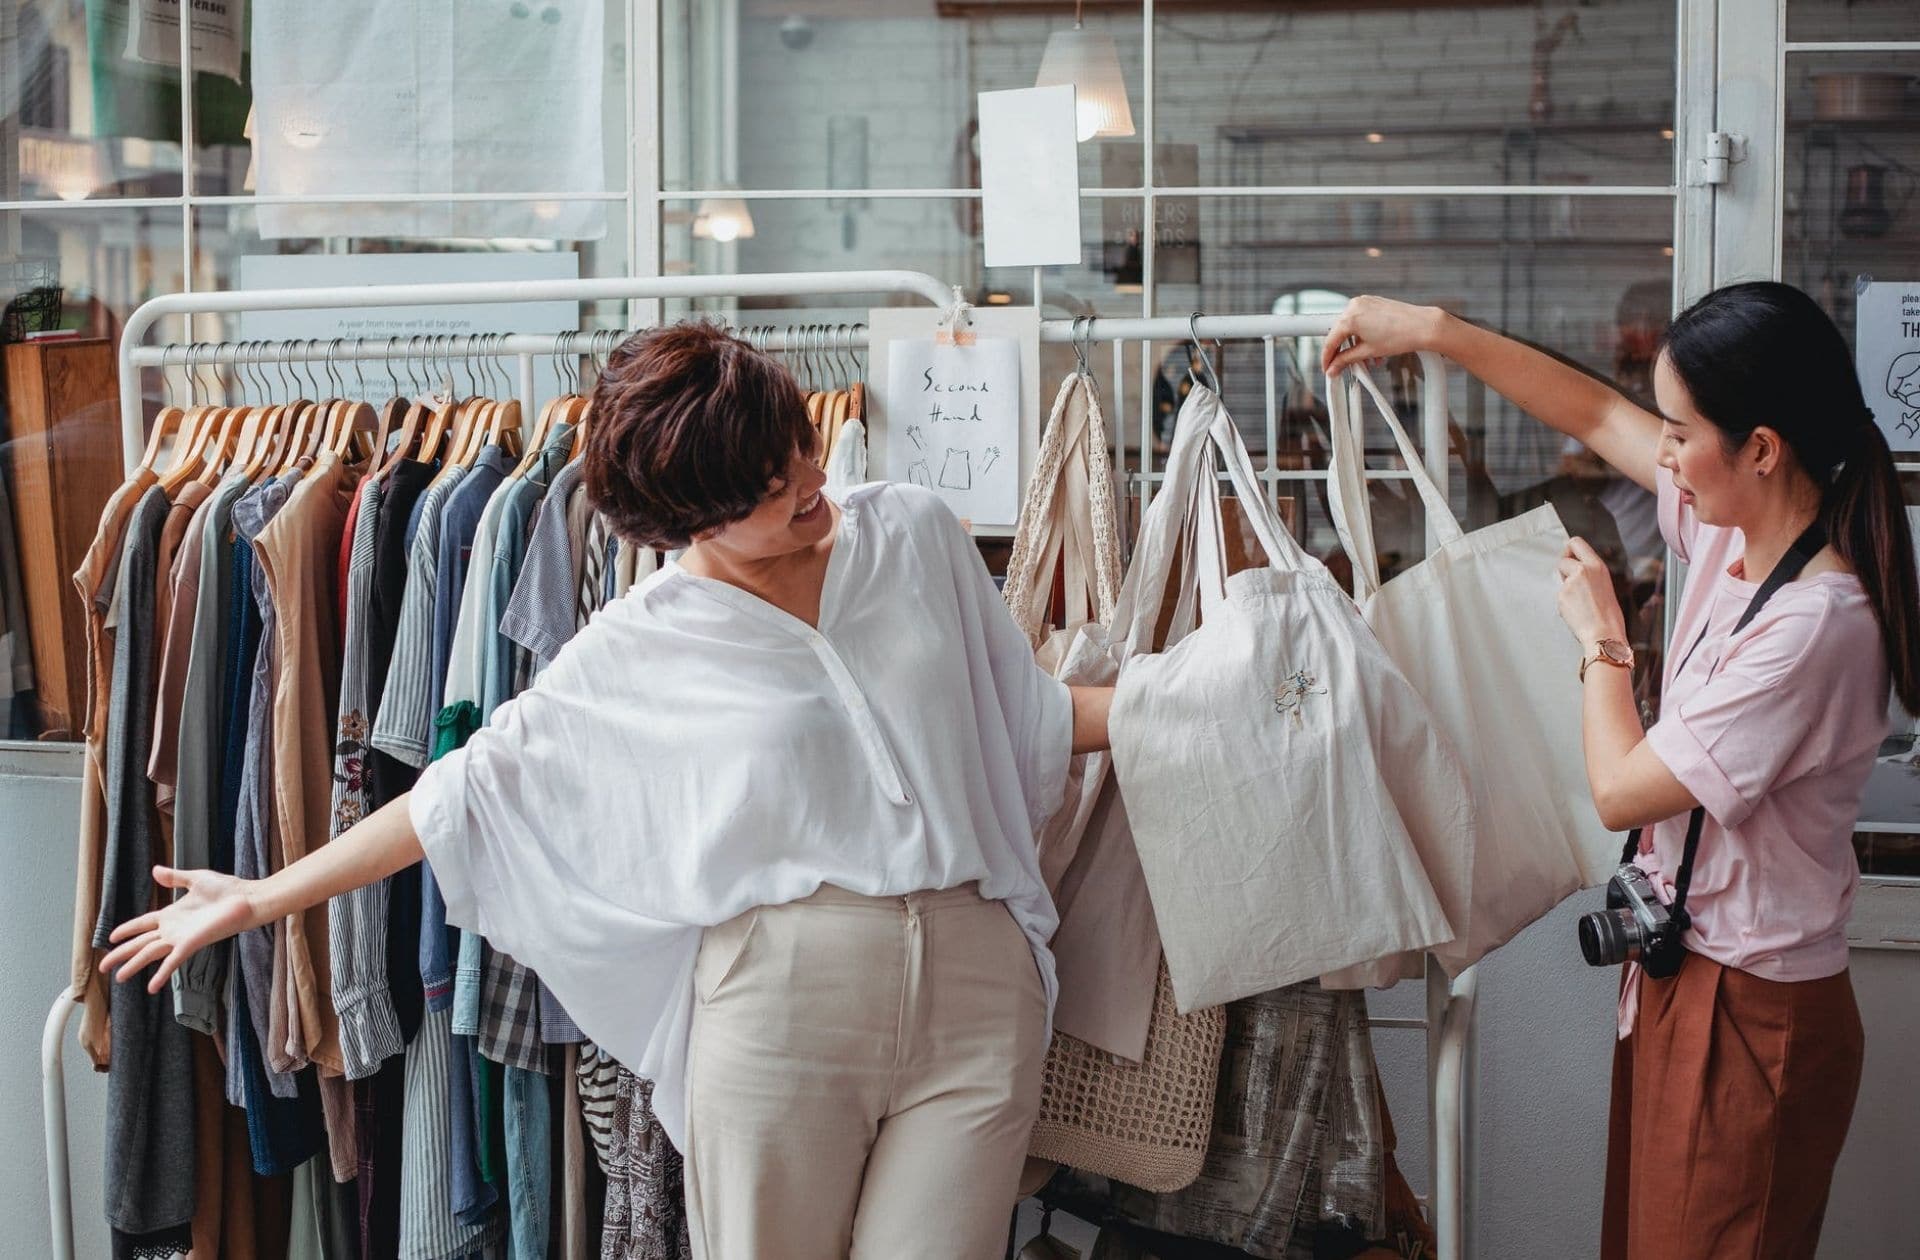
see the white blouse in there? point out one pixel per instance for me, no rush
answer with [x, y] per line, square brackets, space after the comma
[695, 752]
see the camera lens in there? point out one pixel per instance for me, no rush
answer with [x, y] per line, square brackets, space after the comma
[1609, 937]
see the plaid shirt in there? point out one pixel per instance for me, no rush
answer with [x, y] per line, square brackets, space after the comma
[510, 1016]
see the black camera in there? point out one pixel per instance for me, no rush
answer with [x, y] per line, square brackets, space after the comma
[1634, 927]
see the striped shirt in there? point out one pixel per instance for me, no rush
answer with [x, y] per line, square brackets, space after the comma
[404, 728]
[428, 1230]
[357, 920]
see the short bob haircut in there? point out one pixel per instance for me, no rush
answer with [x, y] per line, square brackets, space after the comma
[690, 429]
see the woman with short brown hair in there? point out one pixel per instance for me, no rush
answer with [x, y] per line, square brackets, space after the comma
[765, 827]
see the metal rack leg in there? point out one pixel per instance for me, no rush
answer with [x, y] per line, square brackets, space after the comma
[1449, 1102]
[53, 1099]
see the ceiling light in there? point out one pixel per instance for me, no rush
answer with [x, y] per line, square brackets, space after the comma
[1091, 64]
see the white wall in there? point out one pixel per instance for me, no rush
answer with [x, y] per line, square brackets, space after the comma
[39, 820]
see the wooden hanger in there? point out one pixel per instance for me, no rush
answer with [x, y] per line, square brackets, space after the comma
[197, 426]
[223, 445]
[165, 424]
[269, 432]
[397, 411]
[397, 417]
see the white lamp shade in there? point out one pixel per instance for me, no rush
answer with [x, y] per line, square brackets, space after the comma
[722, 219]
[1091, 63]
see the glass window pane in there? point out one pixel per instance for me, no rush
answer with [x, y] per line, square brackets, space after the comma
[882, 100]
[1448, 94]
[1852, 169]
[227, 234]
[375, 97]
[936, 235]
[85, 119]
[83, 269]
[104, 260]
[1814, 20]
[1589, 279]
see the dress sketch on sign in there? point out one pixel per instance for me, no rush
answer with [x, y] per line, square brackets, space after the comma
[1903, 386]
[957, 472]
[919, 474]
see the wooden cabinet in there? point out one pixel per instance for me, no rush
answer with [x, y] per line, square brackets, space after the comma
[63, 460]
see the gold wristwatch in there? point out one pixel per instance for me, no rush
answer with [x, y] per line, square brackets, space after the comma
[1612, 651]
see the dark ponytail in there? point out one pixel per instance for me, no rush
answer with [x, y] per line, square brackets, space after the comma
[1765, 354]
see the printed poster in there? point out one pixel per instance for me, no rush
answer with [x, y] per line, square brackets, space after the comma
[1887, 356]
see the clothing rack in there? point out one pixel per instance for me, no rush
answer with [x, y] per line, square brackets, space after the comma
[1450, 1005]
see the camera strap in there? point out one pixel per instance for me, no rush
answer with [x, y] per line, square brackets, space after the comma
[1803, 550]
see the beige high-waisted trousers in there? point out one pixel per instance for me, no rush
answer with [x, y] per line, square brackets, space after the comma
[862, 1078]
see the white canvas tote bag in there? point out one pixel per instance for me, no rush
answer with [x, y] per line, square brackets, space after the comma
[1274, 762]
[1476, 629]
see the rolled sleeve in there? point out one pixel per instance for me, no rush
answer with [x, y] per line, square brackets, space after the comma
[1047, 748]
[1683, 753]
[1735, 738]
[440, 811]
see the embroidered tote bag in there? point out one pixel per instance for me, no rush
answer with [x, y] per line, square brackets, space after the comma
[1475, 629]
[1275, 764]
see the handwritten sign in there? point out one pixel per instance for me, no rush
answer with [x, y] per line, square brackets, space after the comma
[1887, 356]
[954, 418]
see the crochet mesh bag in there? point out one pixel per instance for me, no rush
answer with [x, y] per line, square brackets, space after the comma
[1145, 1123]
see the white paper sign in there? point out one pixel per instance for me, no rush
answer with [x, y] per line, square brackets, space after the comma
[954, 423]
[1887, 356]
[1029, 177]
[153, 34]
[369, 378]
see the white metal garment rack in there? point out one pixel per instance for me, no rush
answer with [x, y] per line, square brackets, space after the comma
[1449, 1005]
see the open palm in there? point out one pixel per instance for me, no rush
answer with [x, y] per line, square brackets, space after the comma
[214, 907]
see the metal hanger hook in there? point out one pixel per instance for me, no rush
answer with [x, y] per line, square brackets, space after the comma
[1213, 378]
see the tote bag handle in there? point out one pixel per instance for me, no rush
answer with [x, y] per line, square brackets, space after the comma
[1069, 519]
[1347, 500]
[1143, 593]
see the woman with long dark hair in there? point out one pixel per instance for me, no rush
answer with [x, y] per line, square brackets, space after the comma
[1734, 1079]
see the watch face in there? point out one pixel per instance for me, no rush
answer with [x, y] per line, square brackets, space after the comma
[1616, 651]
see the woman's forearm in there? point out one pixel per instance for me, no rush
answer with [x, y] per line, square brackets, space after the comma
[378, 845]
[1539, 384]
[1591, 412]
[1090, 708]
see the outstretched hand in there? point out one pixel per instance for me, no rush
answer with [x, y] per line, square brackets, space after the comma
[1374, 328]
[214, 907]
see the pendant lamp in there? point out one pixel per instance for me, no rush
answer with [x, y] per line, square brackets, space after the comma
[1091, 64]
[722, 219]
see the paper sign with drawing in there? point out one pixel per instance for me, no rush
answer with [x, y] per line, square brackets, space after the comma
[954, 418]
[1887, 356]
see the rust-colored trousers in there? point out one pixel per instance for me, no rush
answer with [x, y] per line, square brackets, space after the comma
[1731, 1101]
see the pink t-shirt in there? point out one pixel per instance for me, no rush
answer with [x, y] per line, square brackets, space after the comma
[1774, 732]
